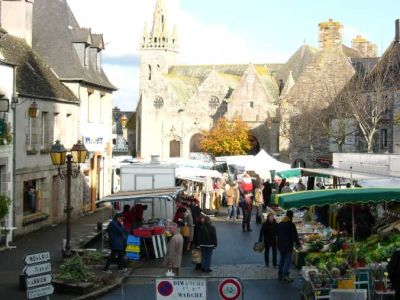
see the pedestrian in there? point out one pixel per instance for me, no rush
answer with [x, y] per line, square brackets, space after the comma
[268, 235]
[188, 221]
[364, 223]
[287, 239]
[267, 192]
[282, 185]
[32, 198]
[230, 201]
[173, 257]
[258, 203]
[117, 238]
[195, 210]
[179, 215]
[236, 198]
[207, 241]
[127, 217]
[394, 273]
[286, 188]
[299, 186]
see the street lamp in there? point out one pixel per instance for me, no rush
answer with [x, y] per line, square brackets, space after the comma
[124, 120]
[58, 155]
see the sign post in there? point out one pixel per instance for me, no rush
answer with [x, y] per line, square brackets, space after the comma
[230, 289]
[38, 275]
[181, 289]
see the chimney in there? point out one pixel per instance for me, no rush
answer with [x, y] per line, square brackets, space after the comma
[330, 35]
[16, 18]
[397, 35]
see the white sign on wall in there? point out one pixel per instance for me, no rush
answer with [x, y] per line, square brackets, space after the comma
[179, 289]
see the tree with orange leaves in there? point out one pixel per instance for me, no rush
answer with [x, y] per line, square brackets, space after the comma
[226, 137]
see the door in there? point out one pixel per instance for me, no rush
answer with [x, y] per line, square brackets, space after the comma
[174, 148]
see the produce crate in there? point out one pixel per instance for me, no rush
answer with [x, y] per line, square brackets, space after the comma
[133, 255]
[133, 240]
[133, 248]
[142, 232]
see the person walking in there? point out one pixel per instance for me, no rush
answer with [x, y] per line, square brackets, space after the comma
[258, 203]
[188, 221]
[268, 235]
[236, 198]
[117, 237]
[267, 192]
[287, 239]
[299, 186]
[207, 240]
[230, 201]
[173, 257]
[246, 201]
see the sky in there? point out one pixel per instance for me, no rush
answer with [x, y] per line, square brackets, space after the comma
[226, 31]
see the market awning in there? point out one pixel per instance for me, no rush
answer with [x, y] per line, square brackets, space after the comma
[338, 196]
[341, 173]
[167, 194]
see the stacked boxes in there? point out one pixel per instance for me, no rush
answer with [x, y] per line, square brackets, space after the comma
[133, 247]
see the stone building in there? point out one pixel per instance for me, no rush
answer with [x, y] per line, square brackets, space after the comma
[57, 118]
[177, 101]
[75, 55]
[304, 98]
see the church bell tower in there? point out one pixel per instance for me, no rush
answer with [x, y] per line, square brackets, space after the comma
[158, 48]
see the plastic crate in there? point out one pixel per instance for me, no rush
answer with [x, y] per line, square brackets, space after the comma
[133, 248]
[133, 255]
[133, 240]
[157, 230]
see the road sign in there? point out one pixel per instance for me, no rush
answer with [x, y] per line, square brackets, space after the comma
[38, 280]
[37, 258]
[181, 289]
[230, 289]
[40, 291]
[37, 269]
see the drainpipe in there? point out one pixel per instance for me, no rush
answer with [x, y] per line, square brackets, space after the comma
[14, 101]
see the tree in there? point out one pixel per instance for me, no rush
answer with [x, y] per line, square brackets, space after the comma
[226, 137]
[370, 96]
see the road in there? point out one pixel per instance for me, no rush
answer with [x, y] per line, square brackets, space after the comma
[234, 257]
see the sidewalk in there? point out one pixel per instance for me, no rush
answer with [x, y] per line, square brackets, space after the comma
[48, 239]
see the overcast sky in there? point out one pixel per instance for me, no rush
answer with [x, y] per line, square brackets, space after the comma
[226, 31]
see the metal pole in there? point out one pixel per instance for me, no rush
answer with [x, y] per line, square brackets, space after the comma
[68, 233]
[14, 101]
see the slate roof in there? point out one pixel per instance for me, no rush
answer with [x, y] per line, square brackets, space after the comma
[34, 78]
[54, 30]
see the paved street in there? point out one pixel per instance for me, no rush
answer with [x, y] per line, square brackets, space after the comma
[234, 257]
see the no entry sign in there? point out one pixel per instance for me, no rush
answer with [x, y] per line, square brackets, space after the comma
[230, 289]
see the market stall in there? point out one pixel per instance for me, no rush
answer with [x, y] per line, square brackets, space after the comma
[335, 261]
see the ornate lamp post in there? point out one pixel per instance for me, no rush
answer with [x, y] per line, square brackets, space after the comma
[124, 120]
[58, 155]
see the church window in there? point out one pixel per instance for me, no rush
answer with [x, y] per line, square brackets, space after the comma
[251, 104]
[214, 102]
[159, 102]
[155, 40]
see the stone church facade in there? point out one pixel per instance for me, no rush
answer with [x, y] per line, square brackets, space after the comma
[177, 102]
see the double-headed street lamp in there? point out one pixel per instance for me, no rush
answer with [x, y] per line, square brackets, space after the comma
[58, 155]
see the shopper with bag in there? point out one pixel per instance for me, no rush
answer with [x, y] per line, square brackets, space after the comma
[268, 235]
[207, 240]
[187, 229]
[173, 258]
[117, 237]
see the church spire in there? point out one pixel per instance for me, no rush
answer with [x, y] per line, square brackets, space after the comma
[159, 37]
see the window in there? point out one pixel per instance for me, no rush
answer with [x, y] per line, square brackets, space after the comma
[32, 134]
[251, 104]
[56, 126]
[3, 179]
[68, 132]
[214, 102]
[91, 108]
[44, 135]
[102, 108]
[149, 72]
[384, 141]
[31, 197]
[159, 102]
[87, 57]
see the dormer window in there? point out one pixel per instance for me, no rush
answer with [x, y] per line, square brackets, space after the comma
[87, 49]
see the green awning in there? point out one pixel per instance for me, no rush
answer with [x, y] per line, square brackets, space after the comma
[338, 196]
[289, 173]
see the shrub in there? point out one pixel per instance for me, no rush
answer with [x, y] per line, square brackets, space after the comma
[4, 205]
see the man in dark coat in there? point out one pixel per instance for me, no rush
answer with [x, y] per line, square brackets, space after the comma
[287, 239]
[394, 273]
[267, 191]
[268, 235]
[117, 238]
[207, 240]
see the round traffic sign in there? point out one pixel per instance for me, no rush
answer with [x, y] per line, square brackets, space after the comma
[165, 288]
[230, 289]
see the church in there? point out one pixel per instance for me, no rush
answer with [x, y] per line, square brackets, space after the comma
[177, 101]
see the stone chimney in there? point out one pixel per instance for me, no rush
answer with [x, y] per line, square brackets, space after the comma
[16, 18]
[397, 34]
[365, 47]
[330, 35]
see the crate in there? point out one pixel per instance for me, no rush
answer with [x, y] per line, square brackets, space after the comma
[142, 232]
[132, 248]
[133, 240]
[133, 255]
[157, 230]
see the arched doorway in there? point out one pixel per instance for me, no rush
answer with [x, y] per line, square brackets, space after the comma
[195, 143]
[255, 145]
[174, 148]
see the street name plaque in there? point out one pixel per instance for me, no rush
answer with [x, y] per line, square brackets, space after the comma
[37, 258]
[38, 280]
[41, 291]
[33, 270]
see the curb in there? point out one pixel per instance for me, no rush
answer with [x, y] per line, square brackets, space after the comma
[100, 292]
